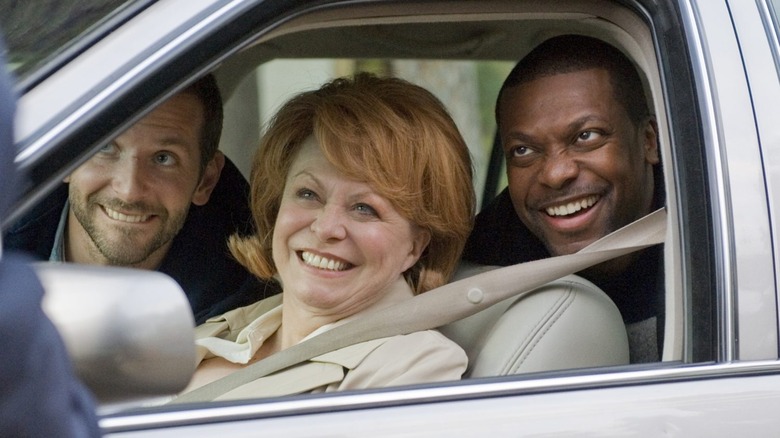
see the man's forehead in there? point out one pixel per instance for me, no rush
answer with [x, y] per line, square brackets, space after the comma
[595, 82]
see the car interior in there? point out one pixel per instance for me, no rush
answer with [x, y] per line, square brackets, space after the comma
[462, 55]
[441, 39]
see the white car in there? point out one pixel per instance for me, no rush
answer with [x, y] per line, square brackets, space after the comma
[86, 71]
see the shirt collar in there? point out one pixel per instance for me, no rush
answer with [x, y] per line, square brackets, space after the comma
[58, 250]
[251, 337]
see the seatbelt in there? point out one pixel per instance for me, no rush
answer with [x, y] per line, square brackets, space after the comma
[446, 304]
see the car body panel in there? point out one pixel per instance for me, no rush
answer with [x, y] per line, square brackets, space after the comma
[724, 400]
[752, 225]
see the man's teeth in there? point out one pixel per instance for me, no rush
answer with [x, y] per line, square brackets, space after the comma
[113, 214]
[572, 207]
[322, 262]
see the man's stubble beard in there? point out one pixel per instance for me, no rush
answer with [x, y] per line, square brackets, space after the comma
[126, 251]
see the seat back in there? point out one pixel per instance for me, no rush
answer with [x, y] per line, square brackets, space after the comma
[569, 323]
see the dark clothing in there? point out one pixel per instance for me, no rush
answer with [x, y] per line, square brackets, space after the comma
[500, 238]
[39, 395]
[198, 258]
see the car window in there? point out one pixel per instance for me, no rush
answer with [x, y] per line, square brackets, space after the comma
[36, 32]
[467, 88]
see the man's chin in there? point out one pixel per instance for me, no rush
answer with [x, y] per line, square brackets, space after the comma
[570, 247]
[115, 251]
[125, 260]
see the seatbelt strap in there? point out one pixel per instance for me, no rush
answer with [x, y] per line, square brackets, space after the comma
[446, 304]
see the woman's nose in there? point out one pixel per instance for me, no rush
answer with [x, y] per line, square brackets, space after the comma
[329, 224]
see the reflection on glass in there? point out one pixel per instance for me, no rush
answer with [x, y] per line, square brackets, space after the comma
[37, 31]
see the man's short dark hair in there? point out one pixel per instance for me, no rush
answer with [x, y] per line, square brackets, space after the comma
[573, 53]
[207, 92]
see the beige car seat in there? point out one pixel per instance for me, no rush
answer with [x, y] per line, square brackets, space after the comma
[569, 323]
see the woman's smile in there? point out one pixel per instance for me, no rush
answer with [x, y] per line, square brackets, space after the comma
[322, 262]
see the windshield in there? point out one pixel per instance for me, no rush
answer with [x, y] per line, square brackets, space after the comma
[36, 32]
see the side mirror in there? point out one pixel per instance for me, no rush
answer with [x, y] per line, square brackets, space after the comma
[129, 332]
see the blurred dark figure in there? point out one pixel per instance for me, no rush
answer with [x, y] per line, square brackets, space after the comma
[39, 394]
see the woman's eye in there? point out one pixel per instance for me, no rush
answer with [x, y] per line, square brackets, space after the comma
[306, 194]
[366, 209]
[165, 159]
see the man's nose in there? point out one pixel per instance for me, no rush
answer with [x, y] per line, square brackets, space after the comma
[559, 169]
[329, 224]
[129, 180]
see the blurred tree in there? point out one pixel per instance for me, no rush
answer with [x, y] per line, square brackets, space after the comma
[36, 30]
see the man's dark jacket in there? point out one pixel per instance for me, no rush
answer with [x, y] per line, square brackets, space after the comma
[500, 238]
[198, 259]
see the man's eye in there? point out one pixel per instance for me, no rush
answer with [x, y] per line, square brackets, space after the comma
[165, 159]
[109, 148]
[521, 151]
[587, 135]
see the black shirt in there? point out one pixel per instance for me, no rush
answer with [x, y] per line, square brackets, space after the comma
[500, 238]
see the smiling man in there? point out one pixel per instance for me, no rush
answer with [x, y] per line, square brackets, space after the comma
[128, 202]
[159, 196]
[582, 161]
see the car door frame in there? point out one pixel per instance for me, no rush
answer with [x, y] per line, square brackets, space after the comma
[714, 268]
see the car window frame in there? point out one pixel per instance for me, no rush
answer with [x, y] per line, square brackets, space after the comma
[94, 32]
[696, 243]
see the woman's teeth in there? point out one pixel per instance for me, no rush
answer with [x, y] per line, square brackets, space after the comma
[322, 262]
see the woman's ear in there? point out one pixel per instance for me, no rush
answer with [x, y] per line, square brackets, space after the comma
[420, 241]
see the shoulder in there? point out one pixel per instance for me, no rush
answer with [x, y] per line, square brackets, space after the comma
[229, 324]
[199, 259]
[227, 210]
[419, 357]
[251, 291]
[423, 341]
[35, 231]
[500, 238]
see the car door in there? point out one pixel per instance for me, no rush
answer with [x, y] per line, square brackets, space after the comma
[713, 68]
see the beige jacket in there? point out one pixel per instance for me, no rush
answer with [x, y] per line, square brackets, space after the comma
[418, 357]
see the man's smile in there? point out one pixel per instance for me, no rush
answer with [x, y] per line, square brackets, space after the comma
[572, 207]
[128, 218]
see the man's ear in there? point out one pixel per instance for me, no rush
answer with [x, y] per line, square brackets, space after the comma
[650, 141]
[209, 179]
